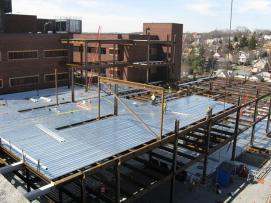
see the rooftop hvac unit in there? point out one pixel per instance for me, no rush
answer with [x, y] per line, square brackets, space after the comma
[6, 6]
[68, 26]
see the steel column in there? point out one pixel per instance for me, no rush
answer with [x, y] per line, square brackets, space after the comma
[167, 55]
[86, 63]
[116, 101]
[81, 60]
[114, 61]
[70, 56]
[236, 130]
[117, 182]
[27, 176]
[83, 189]
[174, 164]
[207, 144]
[254, 119]
[60, 195]
[162, 114]
[56, 87]
[148, 60]
[268, 117]
[173, 55]
[72, 80]
[99, 56]
[99, 98]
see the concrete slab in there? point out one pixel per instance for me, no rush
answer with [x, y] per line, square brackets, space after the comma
[9, 194]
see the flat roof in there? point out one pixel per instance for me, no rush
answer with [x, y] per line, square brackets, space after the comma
[47, 133]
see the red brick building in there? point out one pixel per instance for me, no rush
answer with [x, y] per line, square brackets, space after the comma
[28, 61]
[29, 55]
[169, 32]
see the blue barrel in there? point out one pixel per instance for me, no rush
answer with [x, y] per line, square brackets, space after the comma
[223, 177]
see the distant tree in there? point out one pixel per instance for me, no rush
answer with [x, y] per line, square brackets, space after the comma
[263, 54]
[235, 39]
[242, 29]
[252, 42]
[230, 46]
[196, 59]
[243, 42]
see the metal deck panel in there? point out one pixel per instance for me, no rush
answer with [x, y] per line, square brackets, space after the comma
[92, 142]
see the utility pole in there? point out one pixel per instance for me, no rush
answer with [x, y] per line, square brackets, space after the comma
[230, 32]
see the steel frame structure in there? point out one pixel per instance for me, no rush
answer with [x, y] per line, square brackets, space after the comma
[203, 138]
[90, 66]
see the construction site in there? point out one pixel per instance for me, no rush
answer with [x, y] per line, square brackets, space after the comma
[107, 140]
[123, 126]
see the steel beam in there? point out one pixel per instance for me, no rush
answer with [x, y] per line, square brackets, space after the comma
[34, 194]
[135, 85]
[10, 168]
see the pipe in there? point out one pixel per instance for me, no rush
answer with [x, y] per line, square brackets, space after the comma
[34, 194]
[13, 167]
[11, 146]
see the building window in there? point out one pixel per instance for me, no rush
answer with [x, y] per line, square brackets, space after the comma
[19, 55]
[60, 77]
[24, 81]
[111, 51]
[56, 53]
[94, 50]
[1, 83]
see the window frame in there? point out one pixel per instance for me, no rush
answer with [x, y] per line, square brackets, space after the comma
[22, 51]
[48, 50]
[22, 85]
[89, 50]
[53, 74]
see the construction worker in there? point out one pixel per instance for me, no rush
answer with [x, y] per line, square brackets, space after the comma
[153, 99]
[169, 91]
[165, 107]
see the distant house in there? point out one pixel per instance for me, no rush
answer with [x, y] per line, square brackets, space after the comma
[209, 42]
[266, 76]
[243, 57]
[222, 73]
[216, 55]
[259, 65]
[242, 74]
[255, 78]
[267, 37]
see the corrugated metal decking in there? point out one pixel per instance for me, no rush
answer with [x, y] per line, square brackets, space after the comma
[92, 141]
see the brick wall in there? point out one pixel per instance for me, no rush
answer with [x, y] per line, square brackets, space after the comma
[26, 67]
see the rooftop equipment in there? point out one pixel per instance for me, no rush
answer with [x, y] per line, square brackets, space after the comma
[6, 6]
[68, 26]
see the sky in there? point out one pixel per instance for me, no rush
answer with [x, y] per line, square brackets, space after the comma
[129, 15]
